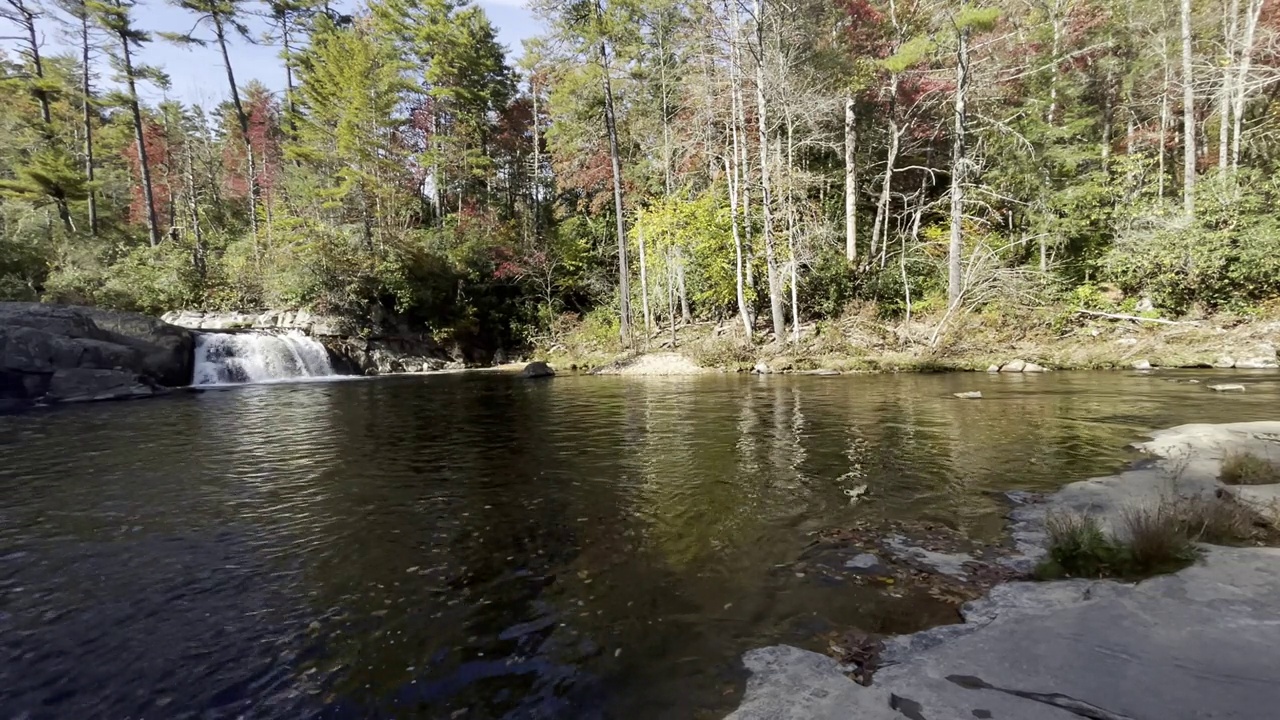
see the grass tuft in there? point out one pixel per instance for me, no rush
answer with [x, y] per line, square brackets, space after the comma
[1244, 468]
[1159, 540]
[1154, 539]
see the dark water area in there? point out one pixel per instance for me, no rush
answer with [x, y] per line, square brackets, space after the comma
[477, 546]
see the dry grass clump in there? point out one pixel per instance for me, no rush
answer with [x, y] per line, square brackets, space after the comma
[1245, 468]
[1152, 540]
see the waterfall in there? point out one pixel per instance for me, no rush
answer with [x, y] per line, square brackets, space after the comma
[250, 357]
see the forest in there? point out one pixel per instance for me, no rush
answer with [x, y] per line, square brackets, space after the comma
[647, 164]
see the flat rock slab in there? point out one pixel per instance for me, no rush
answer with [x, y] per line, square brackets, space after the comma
[1201, 643]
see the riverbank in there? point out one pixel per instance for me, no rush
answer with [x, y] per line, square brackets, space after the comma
[1195, 643]
[859, 343]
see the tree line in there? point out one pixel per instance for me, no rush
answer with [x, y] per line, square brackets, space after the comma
[649, 163]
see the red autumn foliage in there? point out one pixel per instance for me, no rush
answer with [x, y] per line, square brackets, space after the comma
[265, 139]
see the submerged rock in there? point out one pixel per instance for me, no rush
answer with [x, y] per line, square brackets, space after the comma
[1227, 387]
[1014, 366]
[970, 395]
[1034, 368]
[537, 369]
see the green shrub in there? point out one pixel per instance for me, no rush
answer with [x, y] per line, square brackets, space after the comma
[1227, 258]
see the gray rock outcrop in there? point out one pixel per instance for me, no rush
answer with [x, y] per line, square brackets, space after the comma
[537, 369]
[67, 352]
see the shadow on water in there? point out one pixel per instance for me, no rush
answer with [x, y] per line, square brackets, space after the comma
[477, 546]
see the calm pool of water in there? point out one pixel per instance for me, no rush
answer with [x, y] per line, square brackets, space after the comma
[477, 546]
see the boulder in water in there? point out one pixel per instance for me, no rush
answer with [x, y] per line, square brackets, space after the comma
[537, 369]
[1014, 366]
[970, 395]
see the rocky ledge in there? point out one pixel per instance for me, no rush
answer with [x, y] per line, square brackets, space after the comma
[66, 353]
[1202, 642]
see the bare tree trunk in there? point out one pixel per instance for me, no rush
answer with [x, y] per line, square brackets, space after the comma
[25, 17]
[731, 172]
[243, 119]
[1108, 116]
[766, 198]
[644, 287]
[1230, 30]
[1242, 78]
[742, 163]
[288, 76]
[915, 237]
[850, 184]
[792, 230]
[1188, 117]
[193, 214]
[671, 294]
[958, 161]
[535, 200]
[1056, 22]
[685, 316]
[881, 224]
[86, 92]
[144, 166]
[1164, 117]
[611, 127]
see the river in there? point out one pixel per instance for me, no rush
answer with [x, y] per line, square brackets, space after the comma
[478, 546]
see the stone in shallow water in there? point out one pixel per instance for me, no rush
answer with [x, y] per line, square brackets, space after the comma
[1034, 368]
[863, 561]
[1142, 365]
[970, 395]
[1014, 366]
[1227, 387]
[537, 370]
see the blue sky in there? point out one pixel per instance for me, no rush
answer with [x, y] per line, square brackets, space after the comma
[197, 75]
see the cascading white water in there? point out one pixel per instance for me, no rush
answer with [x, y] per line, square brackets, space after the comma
[248, 357]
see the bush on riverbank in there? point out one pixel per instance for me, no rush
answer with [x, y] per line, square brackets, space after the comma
[1153, 540]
